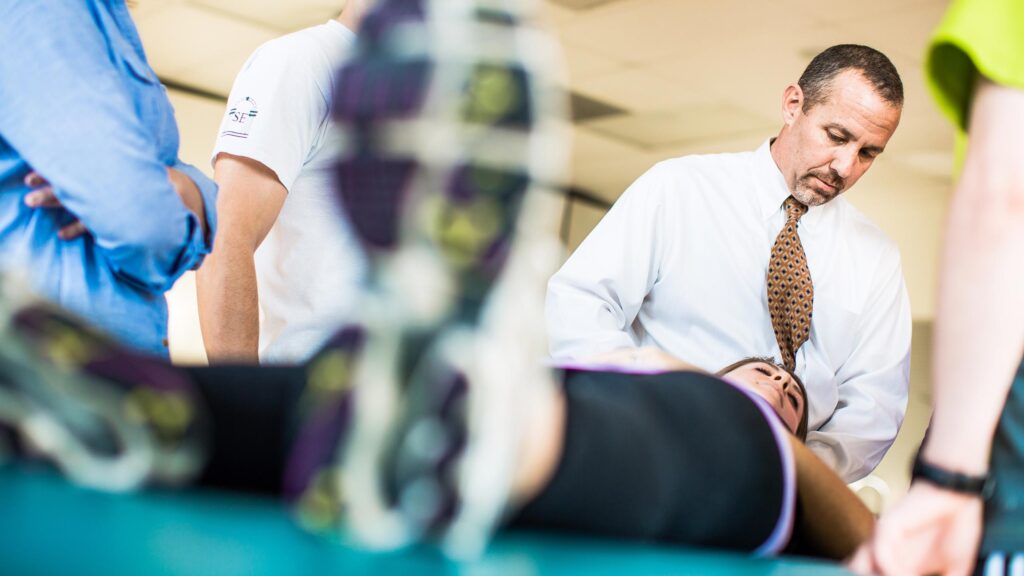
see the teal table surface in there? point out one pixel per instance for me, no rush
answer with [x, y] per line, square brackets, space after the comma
[48, 526]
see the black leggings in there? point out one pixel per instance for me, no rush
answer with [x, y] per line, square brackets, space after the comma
[677, 457]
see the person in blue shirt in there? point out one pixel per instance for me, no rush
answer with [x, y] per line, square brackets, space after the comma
[96, 209]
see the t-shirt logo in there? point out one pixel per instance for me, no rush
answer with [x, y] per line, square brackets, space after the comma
[241, 117]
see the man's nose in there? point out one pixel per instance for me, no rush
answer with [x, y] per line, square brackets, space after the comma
[842, 163]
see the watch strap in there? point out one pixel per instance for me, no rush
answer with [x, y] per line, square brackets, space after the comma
[982, 485]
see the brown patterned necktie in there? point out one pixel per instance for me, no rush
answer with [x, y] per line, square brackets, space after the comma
[790, 292]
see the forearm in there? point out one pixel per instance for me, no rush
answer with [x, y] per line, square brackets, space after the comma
[831, 520]
[228, 306]
[249, 202]
[980, 316]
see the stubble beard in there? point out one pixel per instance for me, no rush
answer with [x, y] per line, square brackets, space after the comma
[809, 193]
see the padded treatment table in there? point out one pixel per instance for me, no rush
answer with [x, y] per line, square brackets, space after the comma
[48, 526]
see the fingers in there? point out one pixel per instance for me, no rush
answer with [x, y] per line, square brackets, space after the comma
[42, 195]
[42, 198]
[34, 180]
[72, 231]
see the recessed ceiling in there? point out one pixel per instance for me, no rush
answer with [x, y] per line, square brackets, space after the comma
[651, 79]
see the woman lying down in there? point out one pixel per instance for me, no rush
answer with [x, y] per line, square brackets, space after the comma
[682, 457]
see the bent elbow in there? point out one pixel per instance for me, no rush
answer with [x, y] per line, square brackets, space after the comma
[150, 258]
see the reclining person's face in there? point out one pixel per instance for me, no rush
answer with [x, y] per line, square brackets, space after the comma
[776, 386]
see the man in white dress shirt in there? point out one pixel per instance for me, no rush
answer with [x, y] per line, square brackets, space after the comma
[679, 262]
[284, 245]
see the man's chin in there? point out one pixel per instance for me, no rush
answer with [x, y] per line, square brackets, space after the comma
[809, 196]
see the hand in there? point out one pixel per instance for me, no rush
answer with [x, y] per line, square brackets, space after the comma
[931, 531]
[42, 196]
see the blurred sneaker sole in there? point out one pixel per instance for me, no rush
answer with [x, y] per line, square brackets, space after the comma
[450, 175]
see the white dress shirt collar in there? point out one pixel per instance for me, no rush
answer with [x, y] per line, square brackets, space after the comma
[773, 189]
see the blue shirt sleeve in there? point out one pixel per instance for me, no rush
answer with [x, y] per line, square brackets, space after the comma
[208, 190]
[68, 111]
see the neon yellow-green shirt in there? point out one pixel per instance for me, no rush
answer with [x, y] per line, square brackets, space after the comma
[975, 37]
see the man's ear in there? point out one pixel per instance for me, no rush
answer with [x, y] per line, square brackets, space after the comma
[792, 103]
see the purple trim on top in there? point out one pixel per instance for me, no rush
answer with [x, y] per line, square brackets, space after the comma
[599, 367]
[780, 536]
[783, 530]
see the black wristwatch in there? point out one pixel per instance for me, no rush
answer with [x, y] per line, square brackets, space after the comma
[982, 485]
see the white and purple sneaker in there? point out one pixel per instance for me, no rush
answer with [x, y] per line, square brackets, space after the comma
[107, 417]
[450, 173]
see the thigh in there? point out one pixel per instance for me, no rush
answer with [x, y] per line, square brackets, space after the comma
[679, 457]
[726, 465]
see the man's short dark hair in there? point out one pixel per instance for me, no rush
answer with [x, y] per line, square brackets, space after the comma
[816, 81]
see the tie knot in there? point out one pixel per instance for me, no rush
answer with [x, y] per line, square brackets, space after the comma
[794, 209]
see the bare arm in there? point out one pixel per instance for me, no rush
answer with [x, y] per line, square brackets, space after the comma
[979, 335]
[831, 520]
[250, 200]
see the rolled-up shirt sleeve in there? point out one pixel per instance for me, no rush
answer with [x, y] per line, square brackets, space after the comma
[202, 244]
[65, 108]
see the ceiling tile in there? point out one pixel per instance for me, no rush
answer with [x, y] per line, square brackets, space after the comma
[749, 71]
[590, 145]
[733, 143]
[584, 64]
[701, 77]
[640, 90]
[642, 30]
[184, 37]
[693, 123]
[555, 14]
[840, 12]
[902, 32]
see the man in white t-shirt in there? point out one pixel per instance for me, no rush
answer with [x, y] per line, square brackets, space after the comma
[284, 246]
